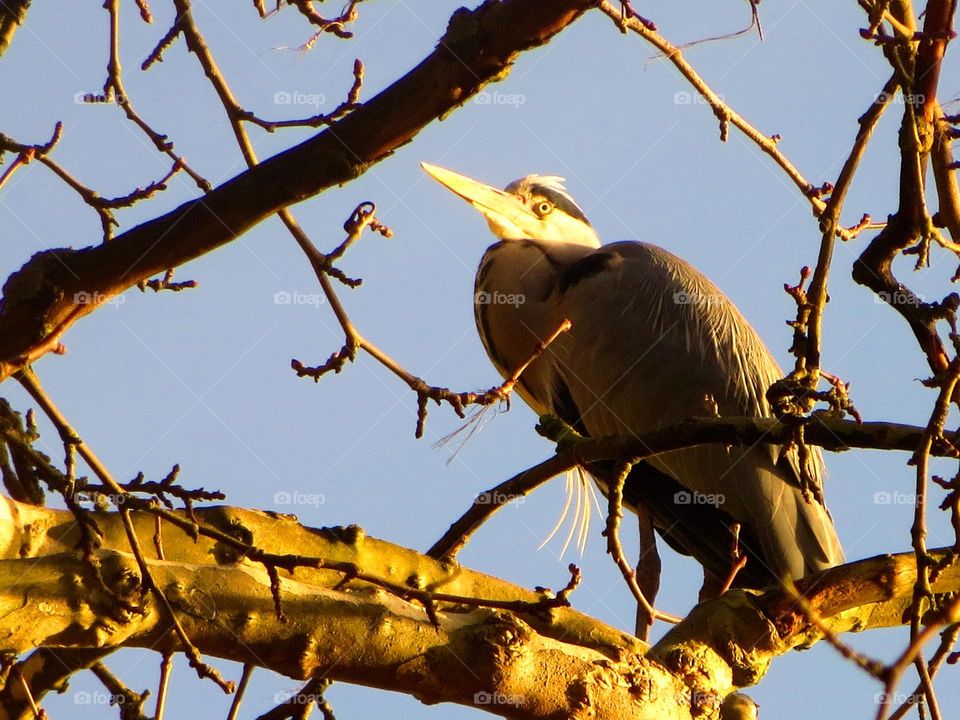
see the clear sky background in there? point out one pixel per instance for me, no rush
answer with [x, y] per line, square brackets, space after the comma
[202, 378]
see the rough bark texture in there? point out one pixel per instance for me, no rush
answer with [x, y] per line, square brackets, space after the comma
[537, 663]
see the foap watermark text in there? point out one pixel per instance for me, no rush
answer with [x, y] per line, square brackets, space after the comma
[284, 497]
[687, 497]
[296, 97]
[499, 298]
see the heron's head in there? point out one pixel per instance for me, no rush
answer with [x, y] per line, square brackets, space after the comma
[536, 207]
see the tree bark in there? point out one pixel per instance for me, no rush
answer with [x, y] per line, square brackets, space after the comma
[533, 662]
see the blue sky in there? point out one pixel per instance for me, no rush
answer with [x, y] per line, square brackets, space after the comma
[202, 378]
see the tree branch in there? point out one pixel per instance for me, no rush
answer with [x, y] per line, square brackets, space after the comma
[526, 664]
[480, 46]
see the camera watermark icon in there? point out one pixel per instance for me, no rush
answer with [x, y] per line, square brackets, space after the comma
[900, 297]
[695, 297]
[898, 98]
[496, 698]
[895, 698]
[514, 100]
[295, 97]
[498, 498]
[89, 98]
[295, 697]
[97, 298]
[685, 97]
[284, 297]
[698, 698]
[499, 298]
[100, 499]
[97, 698]
[283, 497]
[686, 497]
[884, 497]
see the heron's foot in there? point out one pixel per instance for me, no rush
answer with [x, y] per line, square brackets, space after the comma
[553, 428]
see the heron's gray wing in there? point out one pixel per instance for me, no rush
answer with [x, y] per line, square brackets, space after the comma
[651, 337]
[701, 531]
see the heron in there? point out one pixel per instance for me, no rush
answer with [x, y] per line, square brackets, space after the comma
[651, 339]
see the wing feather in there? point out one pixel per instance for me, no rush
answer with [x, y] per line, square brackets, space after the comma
[652, 336]
[678, 338]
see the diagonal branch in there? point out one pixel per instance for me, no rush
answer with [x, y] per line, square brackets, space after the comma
[911, 225]
[480, 46]
[725, 114]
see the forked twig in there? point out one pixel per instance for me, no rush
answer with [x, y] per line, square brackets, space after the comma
[615, 549]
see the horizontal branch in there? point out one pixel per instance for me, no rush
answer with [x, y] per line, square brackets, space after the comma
[829, 433]
[557, 663]
[537, 664]
[739, 634]
[27, 531]
[479, 658]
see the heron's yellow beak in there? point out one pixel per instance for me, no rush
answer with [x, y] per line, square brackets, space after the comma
[508, 215]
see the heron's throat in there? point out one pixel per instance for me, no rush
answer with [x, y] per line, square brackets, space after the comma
[561, 229]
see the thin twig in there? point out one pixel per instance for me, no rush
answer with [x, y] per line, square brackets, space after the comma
[241, 691]
[335, 26]
[947, 640]
[113, 88]
[31, 382]
[22, 159]
[130, 701]
[104, 206]
[949, 615]
[319, 120]
[487, 503]
[615, 549]
[166, 667]
[38, 712]
[738, 561]
[918, 531]
[808, 357]
[725, 114]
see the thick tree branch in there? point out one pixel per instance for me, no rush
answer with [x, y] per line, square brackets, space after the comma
[528, 664]
[27, 531]
[733, 639]
[484, 658]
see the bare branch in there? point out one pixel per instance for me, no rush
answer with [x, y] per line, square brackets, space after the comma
[472, 54]
[725, 114]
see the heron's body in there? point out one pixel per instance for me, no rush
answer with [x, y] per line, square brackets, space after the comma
[651, 338]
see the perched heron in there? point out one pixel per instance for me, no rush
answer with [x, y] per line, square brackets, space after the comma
[651, 338]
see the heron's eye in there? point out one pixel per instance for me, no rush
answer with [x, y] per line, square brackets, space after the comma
[542, 208]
